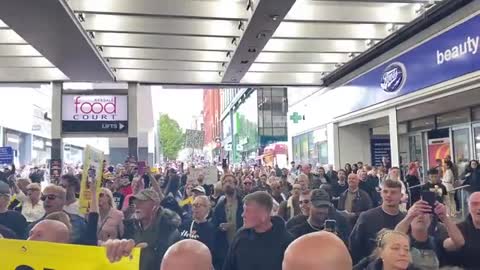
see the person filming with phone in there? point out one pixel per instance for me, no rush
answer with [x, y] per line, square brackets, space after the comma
[426, 240]
[322, 216]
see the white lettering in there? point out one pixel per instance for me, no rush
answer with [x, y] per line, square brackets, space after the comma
[470, 45]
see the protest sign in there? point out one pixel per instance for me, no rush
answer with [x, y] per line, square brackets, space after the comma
[35, 255]
[91, 175]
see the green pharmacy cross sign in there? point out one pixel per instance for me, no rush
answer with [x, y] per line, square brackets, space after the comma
[295, 117]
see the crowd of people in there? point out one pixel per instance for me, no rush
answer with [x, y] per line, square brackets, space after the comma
[257, 217]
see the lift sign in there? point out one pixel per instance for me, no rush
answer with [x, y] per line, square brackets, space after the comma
[94, 108]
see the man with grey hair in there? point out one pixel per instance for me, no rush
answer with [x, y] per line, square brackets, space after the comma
[13, 220]
[153, 225]
[54, 199]
[467, 255]
[199, 228]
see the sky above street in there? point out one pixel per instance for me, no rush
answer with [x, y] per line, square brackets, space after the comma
[180, 104]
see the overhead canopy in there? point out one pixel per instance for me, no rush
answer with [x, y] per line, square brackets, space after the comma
[208, 42]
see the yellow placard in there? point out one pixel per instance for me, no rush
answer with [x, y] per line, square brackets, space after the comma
[92, 174]
[33, 255]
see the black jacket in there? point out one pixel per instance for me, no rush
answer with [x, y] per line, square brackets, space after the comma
[221, 242]
[361, 203]
[259, 251]
[159, 237]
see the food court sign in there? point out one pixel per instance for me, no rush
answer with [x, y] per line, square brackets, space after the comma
[91, 113]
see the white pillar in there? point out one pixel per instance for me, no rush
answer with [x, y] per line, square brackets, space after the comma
[57, 146]
[333, 146]
[132, 120]
[393, 129]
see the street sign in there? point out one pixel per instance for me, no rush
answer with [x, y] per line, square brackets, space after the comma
[96, 114]
[94, 126]
[6, 155]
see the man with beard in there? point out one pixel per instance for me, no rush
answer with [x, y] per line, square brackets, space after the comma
[227, 218]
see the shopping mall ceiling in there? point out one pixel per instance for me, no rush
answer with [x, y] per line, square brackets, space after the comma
[208, 42]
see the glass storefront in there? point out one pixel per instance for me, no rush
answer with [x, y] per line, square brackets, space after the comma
[245, 131]
[476, 131]
[311, 147]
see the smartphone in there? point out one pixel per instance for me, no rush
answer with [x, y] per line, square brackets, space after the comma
[330, 225]
[429, 197]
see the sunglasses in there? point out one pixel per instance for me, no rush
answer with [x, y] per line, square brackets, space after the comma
[49, 197]
[305, 202]
[101, 195]
[247, 183]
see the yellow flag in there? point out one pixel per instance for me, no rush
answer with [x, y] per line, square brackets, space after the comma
[34, 255]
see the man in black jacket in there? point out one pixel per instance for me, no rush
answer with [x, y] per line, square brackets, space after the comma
[153, 225]
[262, 241]
[354, 200]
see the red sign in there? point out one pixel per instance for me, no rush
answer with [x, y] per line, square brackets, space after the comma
[438, 149]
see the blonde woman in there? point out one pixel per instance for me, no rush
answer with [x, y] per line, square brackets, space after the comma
[110, 222]
[393, 252]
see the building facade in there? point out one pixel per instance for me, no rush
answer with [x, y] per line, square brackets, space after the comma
[254, 118]
[420, 101]
[212, 124]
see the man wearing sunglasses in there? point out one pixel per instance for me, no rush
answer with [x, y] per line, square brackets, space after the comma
[54, 199]
[8, 218]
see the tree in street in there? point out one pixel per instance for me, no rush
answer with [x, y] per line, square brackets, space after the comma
[171, 136]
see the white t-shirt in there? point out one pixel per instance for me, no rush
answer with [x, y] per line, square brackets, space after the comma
[73, 208]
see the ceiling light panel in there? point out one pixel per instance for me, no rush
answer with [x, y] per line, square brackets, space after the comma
[8, 36]
[312, 68]
[168, 77]
[278, 57]
[157, 25]
[297, 45]
[343, 11]
[34, 62]
[165, 65]
[160, 54]
[18, 50]
[163, 41]
[330, 31]
[230, 10]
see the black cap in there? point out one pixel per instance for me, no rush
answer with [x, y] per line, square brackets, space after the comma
[320, 198]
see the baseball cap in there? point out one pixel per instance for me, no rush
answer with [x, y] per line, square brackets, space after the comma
[147, 194]
[4, 188]
[320, 198]
[199, 189]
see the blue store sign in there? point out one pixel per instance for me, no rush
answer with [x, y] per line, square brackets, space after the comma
[6, 155]
[447, 56]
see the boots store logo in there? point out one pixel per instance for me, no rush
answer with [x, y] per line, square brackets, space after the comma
[94, 108]
[394, 77]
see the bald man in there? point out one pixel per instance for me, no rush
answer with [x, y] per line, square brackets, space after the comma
[50, 231]
[317, 251]
[187, 255]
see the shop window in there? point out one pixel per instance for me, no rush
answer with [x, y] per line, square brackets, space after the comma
[461, 147]
[477, 142]
[422, 124]
[453, 118]
[476, 114]
[279, 132]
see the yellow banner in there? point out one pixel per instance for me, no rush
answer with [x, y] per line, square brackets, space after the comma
[33, 255]
[92, 174]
